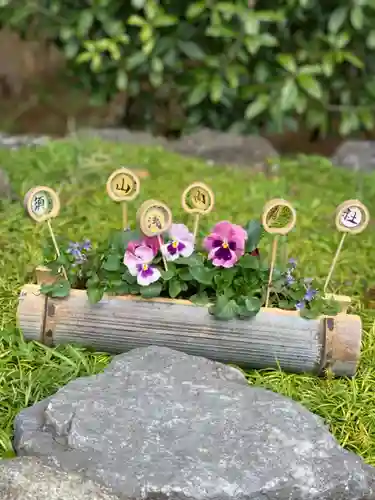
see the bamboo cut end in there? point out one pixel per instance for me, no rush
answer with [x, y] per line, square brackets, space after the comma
[343, 344]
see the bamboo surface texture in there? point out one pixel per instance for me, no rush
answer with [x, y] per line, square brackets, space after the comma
[274, 338]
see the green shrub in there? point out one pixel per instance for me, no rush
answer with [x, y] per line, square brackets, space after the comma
[221, 64]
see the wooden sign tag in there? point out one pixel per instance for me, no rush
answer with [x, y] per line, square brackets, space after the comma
[123, 186]
[197, 199]
[43, 204]
[279, 218]
[352, 217]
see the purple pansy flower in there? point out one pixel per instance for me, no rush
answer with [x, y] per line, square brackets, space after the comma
[226, 244]
[138, 264]
[181, 243]
[300, 305]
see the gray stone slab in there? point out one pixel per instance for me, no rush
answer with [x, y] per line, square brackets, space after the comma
[162, 424]
[356, 155]
[28, 478]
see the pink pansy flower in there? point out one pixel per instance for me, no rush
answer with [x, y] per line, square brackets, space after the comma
[138, 264]
[226, 244]
[181, 243]
[147, 241]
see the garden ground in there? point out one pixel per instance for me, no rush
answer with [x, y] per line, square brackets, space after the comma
[31, 371]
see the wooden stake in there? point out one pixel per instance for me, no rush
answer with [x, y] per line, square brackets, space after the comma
[196, 226]
[125, 222]
[56, 246]
[162, 255]
[334, 262]
[273, 259]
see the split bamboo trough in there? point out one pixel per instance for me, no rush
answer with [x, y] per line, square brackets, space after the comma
[274, 338]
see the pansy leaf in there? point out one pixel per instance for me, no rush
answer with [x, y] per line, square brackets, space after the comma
[307, 313]
[129, 278]
[253, 304]
[185, 275]
[193, 260]
[58, 289]
[224, 308]
[112, 263]
[200, 299]
[285, 304]
[95, 294]
[254, 231]
[174, 288]
[249, 262]
[168, 275]
[202, 274]
[151, 291]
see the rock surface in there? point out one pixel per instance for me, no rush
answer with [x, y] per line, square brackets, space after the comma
[28, 478]
[219, 147]
[158, 423]
[214, 146]
[355, 155]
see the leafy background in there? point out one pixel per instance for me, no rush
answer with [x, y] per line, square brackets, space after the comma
[239, 65]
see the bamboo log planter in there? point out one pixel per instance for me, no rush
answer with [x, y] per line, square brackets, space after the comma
[274, 338]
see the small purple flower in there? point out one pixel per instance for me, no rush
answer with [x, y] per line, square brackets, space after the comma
[289, 278]
[310, 294]
[181, 243]
[293, 263]
[86, 245]
[74, 249]
[77, 250]
[138, 264]
[300, 305]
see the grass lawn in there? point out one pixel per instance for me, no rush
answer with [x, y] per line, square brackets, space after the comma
[30, 371]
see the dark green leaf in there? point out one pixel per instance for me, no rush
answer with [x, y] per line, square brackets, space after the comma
[46, 289]
[253, 304]
[151, 291]
[202, 274]
[254, 231]
[224, 308]
[193, 260]
[60, 289]
[129, 278]
[185, 275]
[95, 294]
[174, 288]
[112, 263]
[200, 299]
[168, 275]
[192, 50]
[249, 262]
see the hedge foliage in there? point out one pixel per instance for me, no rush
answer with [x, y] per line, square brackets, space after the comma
[223, 64]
